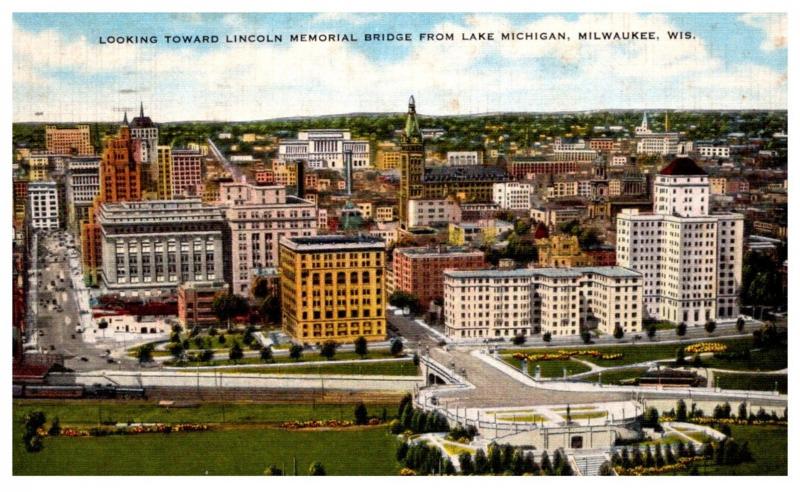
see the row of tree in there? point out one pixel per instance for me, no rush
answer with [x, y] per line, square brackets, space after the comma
[506, 459]
[653, 457]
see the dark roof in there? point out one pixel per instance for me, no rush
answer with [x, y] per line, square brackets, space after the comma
[682, 166]
[464, 173]
[142, 122]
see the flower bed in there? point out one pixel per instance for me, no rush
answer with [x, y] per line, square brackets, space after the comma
[699, 348]
[133, 429]
[314, 424]
[565, 355]
[680, 465]
[729, 421]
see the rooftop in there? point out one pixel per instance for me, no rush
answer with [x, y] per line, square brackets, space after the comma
[606, 271]
[682, 166]
[444, 251]
[337, 241]
[464, 173]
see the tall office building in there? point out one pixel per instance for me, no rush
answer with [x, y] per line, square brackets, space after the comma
[164, 185]
[120, 180]
[82, 186]
[325, 149]
[43, 205]
[333, 288]
[257, 218]
[75, 140]
[146, 132]
[691, 260]
[187, 173]
[412, 162]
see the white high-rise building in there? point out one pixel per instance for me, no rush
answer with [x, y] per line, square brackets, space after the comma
[43, 205]
[512, 196]
[561, 301]
[690, 260]
[323, 149]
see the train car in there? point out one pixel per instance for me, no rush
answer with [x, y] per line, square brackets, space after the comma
[42, 391]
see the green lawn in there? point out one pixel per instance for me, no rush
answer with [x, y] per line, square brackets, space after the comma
[758, 382]
[616, 376]
[550, 368]
[767, 444]
[88, 412]
[390, 368]
[640, 352]
[765, 359]
[225, 452]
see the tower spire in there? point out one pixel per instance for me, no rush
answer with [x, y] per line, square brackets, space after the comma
[125, 119]
[141, 109]
[412, 126]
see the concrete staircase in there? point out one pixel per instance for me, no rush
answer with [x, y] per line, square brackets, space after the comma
[585, 464]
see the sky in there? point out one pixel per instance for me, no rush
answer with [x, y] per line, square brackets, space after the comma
[62, 73]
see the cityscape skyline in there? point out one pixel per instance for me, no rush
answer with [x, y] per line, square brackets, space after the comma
[94, 82]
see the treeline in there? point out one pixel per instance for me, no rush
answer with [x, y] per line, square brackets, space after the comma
[506, 459]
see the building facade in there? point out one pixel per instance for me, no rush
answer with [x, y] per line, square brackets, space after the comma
[512, 196]
[195, 303]
[465, 158]
[187, 173]
[325, 148]
[420, 270]
[481, 304]
[146, 133]
[151, 247]
[75, 140]
[691, 260]
[332, 288]
[43, 205]
[257, 218]
[82, 187]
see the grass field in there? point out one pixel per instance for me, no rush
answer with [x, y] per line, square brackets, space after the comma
[615, 376]
[635, 353]
[768, 444]
[586, 415]
[225, 452]
[454, 449]
[758, 382]
[237, 447]
[667, 439]
[87, 412]
[390, 368]
[550, 368]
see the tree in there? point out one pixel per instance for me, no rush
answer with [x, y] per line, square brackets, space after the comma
[680, 356]
[404, 402]
[102, 324]
[618, 333]
[270, 309]
[481, 462]
[55, 428]
[145, 353]
[495, 459]
[360, 413]
[296, 351]
[680, 411]
[266, 354]
[177, 350]
[361, 346]
[207, 355]
[651, 330]
[742, 411]
[711, 325]
[547, 337]
[740, 325]
[316, 469]
[518, 339]
[328, 349]
[402, 451]
[586, 335]
[402, 299]
[680, 330]
[228, 306]
[544, 463]
[236, 353]
[273, 471]
[33, 422]
[397, 347]
[465, 463]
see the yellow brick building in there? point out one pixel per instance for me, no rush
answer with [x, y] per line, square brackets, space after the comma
[333, 288]
[164, 184]
[561, 251]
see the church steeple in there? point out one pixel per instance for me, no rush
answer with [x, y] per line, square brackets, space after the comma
[412, 126]
[644, 121]
[141, 109]
[125, 119]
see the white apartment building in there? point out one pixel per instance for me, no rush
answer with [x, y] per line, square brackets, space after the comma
[432, 212]
[465, 158]
[512, 196]
[562, 301]
[691, 261]
[714, 151]
[258, 217]
[325, 149]
[43, 205]
[619, 160]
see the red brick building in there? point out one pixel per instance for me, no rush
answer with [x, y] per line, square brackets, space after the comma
[420, 270]
[195, 301]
